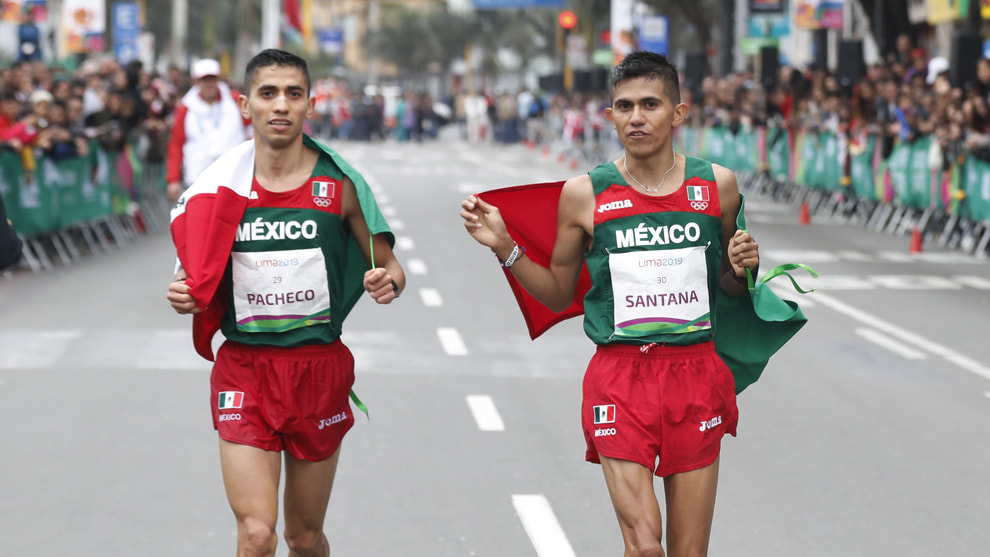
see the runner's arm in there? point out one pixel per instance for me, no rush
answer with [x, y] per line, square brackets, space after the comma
[553, 287]
[739, 250]
[387, 279]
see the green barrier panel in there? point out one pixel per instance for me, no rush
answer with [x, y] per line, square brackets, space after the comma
[714, 146]
[744, 149]
[804, 153]
[778, 154]
[861, 167]
[11, 177]
[898, 166]
[976, 180]
[922, 178]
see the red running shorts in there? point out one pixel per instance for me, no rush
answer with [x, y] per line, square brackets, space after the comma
[647, 402]
[292, 399]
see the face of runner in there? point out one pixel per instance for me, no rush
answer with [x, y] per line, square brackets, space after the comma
[277, 104]
[644, 116]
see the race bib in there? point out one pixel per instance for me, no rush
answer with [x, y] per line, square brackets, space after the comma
[660, 292]
[277, 291]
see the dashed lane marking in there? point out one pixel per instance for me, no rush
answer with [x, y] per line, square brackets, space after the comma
[542, 526]
[485, 414]
[396, 224]
[34, 349]
[884, 341]
[451, 341]
[903, 335]
[431, 297]
[417, 266]
[405, 243]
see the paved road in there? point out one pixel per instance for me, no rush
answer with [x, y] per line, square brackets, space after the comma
[866, 435]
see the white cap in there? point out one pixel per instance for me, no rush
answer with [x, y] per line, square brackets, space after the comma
[205, 67]
[40, 95]
[936, 66]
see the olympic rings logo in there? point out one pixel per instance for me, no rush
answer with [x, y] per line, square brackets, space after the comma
[322, 201]
[699, 205]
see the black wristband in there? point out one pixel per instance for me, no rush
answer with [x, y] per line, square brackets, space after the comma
[737, 278]
[395, 288]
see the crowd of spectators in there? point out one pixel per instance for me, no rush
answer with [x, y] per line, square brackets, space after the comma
[58, 112]
[906, 96]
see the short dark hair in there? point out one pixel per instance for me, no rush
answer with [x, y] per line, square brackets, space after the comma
[274, 57]
[651, 66]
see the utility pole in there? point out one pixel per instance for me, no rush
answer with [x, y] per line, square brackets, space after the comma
[180, 16]
[270, 17]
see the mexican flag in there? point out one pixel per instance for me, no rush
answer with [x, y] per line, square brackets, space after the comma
[230, 399]
[697, 193]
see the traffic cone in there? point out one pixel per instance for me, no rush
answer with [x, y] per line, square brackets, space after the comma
[915, 246]
[546, 151]
[805, 214]
[561, 158]
[574, 163]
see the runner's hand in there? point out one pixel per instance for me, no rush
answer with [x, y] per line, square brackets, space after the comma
[484, 223]
[178, 296]
[744, 253]
[380, 285]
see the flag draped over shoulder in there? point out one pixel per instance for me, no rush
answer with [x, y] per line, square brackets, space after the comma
[205, 221]
[530, 215]
[749, 329]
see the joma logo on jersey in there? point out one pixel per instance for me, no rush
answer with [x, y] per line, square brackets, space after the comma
[624, 204]
[717, 420]
[604, 414]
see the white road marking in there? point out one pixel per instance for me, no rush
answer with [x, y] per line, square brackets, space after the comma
[542, 526]
[396, 224]
[431, 297]
[452, 342]
[884, 341]
[914, 282]
[405, 243]
[416, 266]
[905, 336]
[34, 349]
[973, 281]
[485, 414]
[388, 211]
[852, 255]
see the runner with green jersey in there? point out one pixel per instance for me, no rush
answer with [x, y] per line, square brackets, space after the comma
[654, 261]
[287, 265]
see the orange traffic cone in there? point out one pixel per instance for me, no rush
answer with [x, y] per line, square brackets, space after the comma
[916, 241]
[574, 163]
[805, 214]
[546, 151]
[561, 158]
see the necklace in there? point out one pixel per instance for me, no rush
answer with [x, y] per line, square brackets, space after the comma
[656, 189]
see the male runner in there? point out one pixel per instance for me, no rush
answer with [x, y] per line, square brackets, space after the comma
[658, 233]
[268, 237]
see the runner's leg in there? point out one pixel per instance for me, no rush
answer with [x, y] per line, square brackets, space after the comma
[307, 494]
[690, 500]
[250, 476]
[631, 487]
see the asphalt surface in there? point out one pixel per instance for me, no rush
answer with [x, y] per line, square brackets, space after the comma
[866, 435]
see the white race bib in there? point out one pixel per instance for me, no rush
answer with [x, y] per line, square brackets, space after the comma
[660, 291]
[277, 291]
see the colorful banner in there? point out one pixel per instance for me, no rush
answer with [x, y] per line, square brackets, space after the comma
[84, 26]
[769, 26]
[768, 7]
[985, 9]
[622, 30]
[941, 11]
[819, 14]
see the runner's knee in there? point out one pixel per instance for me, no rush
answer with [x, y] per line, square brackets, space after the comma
[257, 537]
[644, 546]
[305, 542]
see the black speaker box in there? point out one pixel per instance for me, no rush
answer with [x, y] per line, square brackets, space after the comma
[694, 71]
[851, 68]
[769, 66]
[967, 48]
[591, 81]
[553, 82]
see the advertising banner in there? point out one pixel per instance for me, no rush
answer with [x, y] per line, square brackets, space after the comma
[819, 14]
[84, 25]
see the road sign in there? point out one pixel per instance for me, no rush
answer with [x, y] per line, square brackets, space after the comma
[126, 28]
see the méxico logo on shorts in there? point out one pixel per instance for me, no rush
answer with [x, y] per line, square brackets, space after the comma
[604, 414]
[230, 399]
